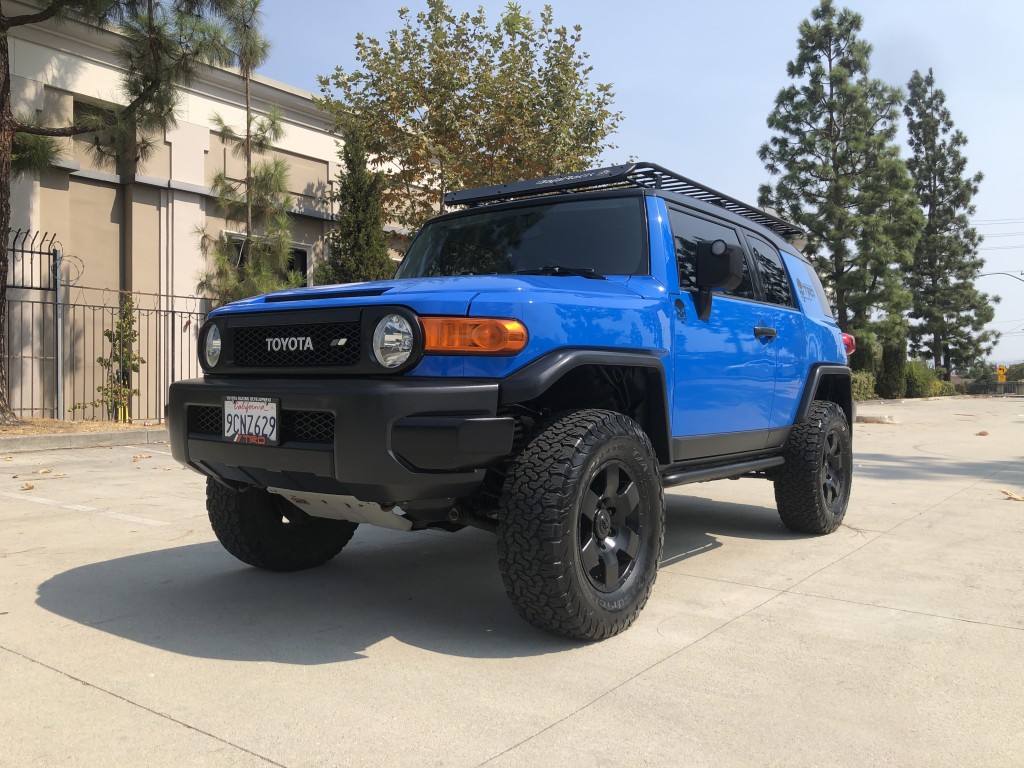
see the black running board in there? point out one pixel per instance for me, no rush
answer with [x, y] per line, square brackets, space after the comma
[720, 471]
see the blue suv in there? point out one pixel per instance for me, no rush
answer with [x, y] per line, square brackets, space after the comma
[547, 359]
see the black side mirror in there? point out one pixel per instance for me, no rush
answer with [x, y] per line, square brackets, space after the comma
[719, 265]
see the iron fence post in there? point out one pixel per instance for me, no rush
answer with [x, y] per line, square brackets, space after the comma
[58, 324]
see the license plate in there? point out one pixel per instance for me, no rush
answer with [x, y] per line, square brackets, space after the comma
[251, 420]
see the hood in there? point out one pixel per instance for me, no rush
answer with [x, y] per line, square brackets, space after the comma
[431, 295]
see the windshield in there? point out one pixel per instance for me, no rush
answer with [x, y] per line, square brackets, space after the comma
[605, 235]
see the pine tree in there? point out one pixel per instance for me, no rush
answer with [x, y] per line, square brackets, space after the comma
[840, 173]
[260, 261]
[950, 312]
[358, 248]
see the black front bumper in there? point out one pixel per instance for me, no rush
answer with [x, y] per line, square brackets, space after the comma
[385, 440]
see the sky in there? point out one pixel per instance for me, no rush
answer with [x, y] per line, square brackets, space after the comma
[696, 80]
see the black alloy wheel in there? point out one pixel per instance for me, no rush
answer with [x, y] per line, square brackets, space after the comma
[812, 489]
[610, 527]
[581, 525]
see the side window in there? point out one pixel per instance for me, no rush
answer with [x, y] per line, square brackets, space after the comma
[810, 288]
[689, 230]
[773, 273]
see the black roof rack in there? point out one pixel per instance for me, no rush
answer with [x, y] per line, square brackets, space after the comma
[647, 175]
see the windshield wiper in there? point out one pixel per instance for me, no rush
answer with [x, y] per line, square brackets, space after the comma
[563, 271]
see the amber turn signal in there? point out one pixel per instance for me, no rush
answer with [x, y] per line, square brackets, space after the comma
[473, 335]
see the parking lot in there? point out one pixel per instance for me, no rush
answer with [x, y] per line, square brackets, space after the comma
[129, 637]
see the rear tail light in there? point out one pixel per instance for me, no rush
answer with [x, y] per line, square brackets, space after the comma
[850, 343]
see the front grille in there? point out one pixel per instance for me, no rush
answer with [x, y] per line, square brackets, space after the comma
[319, 345]
[308, 426]
[299, 426]
[205, 419]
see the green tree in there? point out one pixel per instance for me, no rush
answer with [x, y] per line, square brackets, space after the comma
[892, 378]
[950, 312]
[164, 45]
[449, 102]
[840, 173]
[260, 260]
[982, 377]
[357, 248]
[117, 390]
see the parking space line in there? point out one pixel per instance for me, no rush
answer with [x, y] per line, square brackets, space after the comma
[147, 448]
[82, 508]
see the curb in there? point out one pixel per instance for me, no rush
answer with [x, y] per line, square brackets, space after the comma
[25, 443]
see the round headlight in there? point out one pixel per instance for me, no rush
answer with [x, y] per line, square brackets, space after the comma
[211, 348]
[392, 341]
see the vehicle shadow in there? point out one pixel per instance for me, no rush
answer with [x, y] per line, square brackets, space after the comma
[694, 523]
[435, 591]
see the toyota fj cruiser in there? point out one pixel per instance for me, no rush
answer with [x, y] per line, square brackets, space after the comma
[544, 363]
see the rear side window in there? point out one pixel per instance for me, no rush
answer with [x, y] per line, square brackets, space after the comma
[772, 271]
[809, 286]
[689, 230]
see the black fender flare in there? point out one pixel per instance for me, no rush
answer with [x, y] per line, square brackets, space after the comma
[843, 396]
[533, 380]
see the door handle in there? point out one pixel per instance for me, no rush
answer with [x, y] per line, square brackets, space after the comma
[765, 332]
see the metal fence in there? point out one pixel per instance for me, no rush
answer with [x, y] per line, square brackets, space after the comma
[33, 257]
[95, 356]
[75, 352]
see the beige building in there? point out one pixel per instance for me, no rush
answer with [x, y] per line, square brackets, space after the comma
[135, 232]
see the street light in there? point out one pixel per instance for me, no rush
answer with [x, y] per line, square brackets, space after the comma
[1008, 274]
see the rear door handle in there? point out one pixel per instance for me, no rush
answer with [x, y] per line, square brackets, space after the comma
[765, 332]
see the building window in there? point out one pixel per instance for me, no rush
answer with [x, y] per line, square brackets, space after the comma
[298, 254]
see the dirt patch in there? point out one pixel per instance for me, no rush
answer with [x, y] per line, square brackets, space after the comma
[60, 427]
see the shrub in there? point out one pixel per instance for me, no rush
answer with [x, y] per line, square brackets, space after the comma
[919, 379]
[891, 381]
[948, 388]
[868, 355]
[863, 385]
[936, 389]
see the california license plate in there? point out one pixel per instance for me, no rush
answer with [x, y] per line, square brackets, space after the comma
[251, 420]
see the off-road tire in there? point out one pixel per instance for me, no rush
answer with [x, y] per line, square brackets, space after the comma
[265, 530]
[812, 488]
[581, 525]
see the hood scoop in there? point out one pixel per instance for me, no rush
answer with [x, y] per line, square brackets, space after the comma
[318, 296]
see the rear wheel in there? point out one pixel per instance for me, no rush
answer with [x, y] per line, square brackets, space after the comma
[265, 530]
[581, 525]
[812, 489]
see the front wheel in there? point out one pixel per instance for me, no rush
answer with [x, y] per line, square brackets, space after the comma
[265, 530]
[813, 487]
[581, 525]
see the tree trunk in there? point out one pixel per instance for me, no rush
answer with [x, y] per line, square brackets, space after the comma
[6, 145]
[842, 317]
[248, 158]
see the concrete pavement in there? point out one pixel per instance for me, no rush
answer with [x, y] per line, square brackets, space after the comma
[129, 637]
